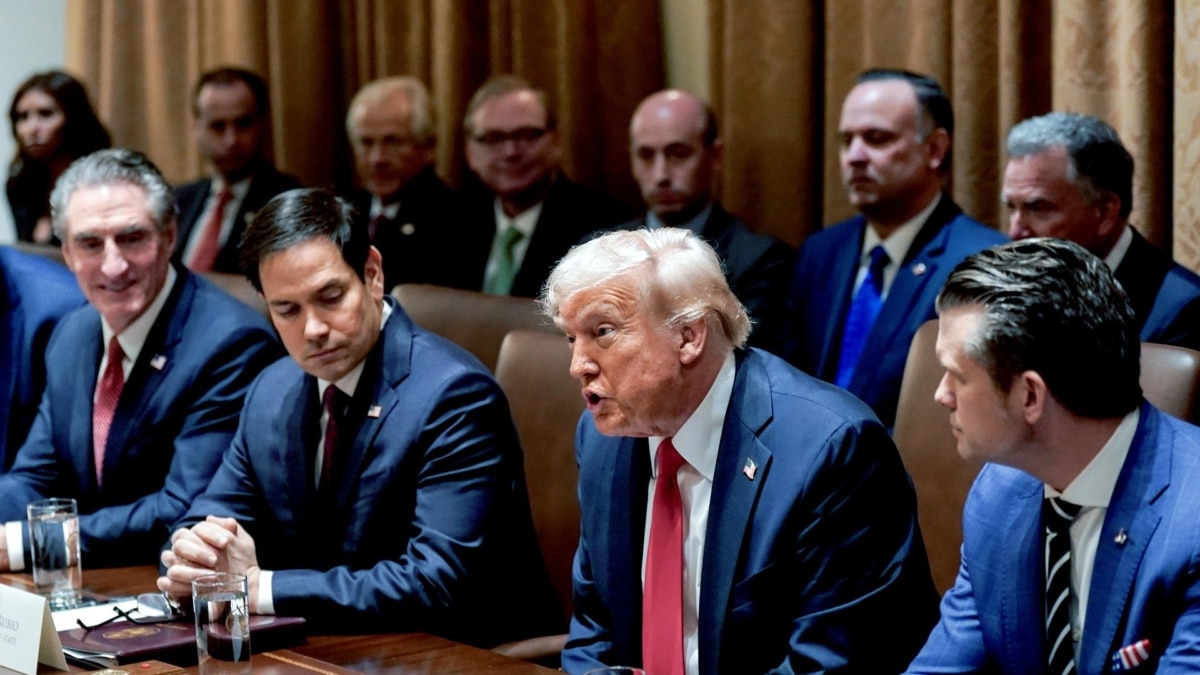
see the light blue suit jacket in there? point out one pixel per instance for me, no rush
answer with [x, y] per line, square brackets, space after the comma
[1145, 584]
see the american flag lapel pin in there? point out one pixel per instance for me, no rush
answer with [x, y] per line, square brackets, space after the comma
[1131, 656]
[158, 362]
[1121, 537]
[375, 411]
[750, 468]
[918, 269]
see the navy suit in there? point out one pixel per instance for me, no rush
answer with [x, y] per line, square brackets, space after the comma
[428, 525]
[815, 564]
[822, 289]
[264, 185]
[757, 267]
[175, 418]
[420, 244]
[1144, 584]
[34, 294]
[570, 214]
[1165, 295]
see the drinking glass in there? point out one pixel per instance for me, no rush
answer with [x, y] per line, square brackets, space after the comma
[222, 624]
[54, 539]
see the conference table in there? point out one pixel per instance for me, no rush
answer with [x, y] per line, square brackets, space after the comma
[398, 653]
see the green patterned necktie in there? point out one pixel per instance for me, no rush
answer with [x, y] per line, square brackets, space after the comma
[506, 269]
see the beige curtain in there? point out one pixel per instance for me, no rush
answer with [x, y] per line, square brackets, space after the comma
[140, 58]
[1131, 62]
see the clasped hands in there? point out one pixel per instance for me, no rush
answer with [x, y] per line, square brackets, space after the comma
[214, 545]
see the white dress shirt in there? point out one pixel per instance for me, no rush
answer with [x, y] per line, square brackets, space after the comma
[697, 441]
[237, 192]
[1119, 249]
[896, 245]
[132, 339]
[348, 384]
[1092, 490]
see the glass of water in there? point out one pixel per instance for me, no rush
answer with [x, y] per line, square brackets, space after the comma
[222, 623]
[54, 540]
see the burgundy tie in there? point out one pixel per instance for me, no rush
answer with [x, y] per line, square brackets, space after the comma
[107, 395]
[332, 402]
[209, 246]
[374, 225]
[662, 596]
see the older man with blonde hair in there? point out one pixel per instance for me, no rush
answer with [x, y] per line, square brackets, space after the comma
[410, 212]
[738, 515]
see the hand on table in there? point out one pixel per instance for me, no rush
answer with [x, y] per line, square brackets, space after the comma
[215, 545]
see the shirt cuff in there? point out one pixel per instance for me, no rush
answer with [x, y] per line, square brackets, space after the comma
[266, 601]
[14, 536]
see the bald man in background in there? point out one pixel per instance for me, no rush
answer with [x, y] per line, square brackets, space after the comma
[675, 154]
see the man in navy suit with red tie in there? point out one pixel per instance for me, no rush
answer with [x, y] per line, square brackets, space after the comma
[143, 385]
[1081, 534]
[739, 516]
[376, 483]
[863, 287]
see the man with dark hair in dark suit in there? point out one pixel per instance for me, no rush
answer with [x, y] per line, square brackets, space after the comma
[232, 126]
[376, 482]
[34, 294]
[412, 216]
[143, 385]
[675, 152]
[863, 287]
[531, 213]
[1070, 177]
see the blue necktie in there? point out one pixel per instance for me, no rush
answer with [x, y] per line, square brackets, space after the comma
[863, 310]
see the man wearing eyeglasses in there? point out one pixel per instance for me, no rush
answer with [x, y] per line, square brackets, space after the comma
[411, 214]
[530, 213]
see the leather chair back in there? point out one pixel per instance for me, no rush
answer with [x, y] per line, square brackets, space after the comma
[239, 287]
[546, 405]
[475, 321]
[1170, 380]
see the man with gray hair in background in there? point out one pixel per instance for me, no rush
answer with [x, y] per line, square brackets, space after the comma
[698, 455]
[1070, 177]
[144, 385]
[411, 214]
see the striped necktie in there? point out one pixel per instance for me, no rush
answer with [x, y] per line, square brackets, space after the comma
[1057, 516]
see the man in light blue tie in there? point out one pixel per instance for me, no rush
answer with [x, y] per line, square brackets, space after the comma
[852, 312]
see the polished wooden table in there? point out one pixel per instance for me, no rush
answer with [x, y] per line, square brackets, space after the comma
[398, 654]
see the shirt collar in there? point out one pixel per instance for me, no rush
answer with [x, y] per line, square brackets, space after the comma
[696, 224]
[699, 439]
[349, 381]
[1094, 485]
[1117, 254]
[378, 208]
[898, 243]
[238, 189]
[133, 338]
[524, 221]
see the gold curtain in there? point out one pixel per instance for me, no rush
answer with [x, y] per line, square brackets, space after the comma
[1130, 62]
[140, 58]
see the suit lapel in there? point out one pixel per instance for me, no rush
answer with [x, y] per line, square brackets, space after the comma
[1135, 511]
[734, 495]
[630, 468]
[845, 259]
[1022, 588]
[10, 324]
[87, 364]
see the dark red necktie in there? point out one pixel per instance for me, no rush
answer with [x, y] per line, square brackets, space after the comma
[332, 402]
[209, 246]
[107, 395]
[662, 595]
[374, 225]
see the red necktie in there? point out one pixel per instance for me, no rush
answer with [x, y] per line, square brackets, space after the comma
[209, 246]
[107, 395]
[373, 226]
[662, 596]
[332, 404]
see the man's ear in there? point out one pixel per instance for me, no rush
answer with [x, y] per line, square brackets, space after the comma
[693, 337]
[1034, 395]
[939, 147]
[373, 273]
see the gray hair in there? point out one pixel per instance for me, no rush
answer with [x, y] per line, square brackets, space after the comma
[424, 119]
[1097, 161]
[1051, 307]
[114, 167]
[677, 271]
[503, 85]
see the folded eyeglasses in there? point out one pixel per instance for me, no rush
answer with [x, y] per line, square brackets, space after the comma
[151, 608]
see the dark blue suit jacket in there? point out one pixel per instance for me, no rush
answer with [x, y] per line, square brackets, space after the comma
[175, 418]
[1165, 295]
[822, 289]
[34, 294]
[815, 564]
[429, 526]
[1144, 585]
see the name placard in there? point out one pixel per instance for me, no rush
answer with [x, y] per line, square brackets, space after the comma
[27, 635]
